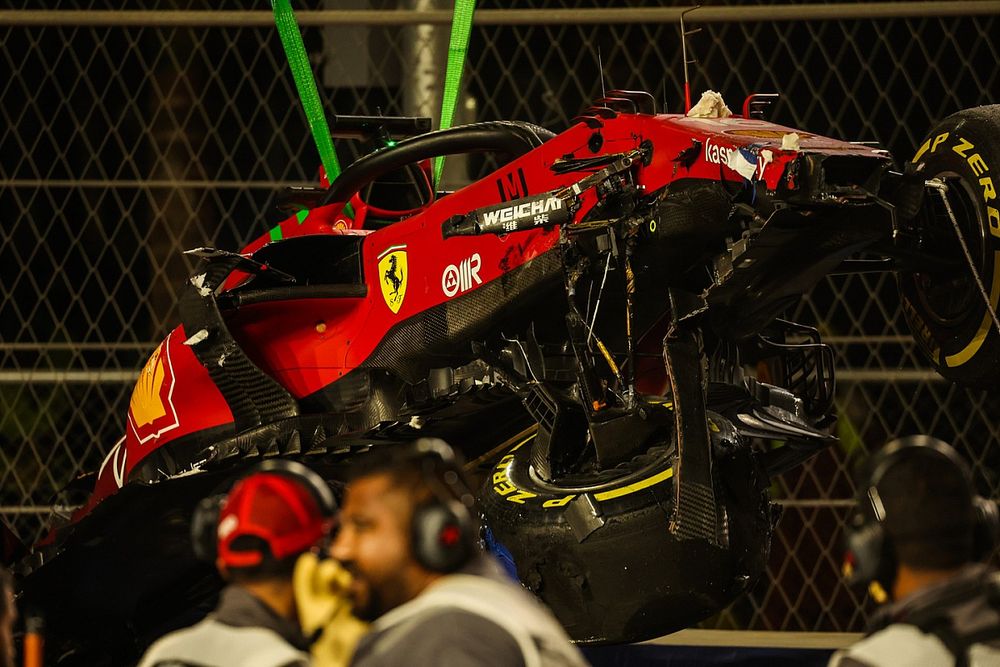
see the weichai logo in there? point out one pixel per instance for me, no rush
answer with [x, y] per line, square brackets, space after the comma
[538, 210]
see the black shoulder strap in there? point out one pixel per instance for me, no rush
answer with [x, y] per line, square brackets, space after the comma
[943, 628]
[937, 620]
[991, 632]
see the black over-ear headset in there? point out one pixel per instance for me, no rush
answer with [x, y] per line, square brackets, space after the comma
[205, 520]
[871, 556]
[442, 530]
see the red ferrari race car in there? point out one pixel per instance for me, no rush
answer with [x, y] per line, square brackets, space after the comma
[596, 324]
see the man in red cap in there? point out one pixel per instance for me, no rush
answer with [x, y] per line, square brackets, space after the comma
[265, 523]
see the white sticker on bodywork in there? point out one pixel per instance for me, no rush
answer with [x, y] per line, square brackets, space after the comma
[765, 158]
[791, 142]
[740, 162]
[197, 337]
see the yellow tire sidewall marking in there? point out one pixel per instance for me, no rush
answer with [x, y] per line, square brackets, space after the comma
[503, 485]
[969, 351]
[962, 147]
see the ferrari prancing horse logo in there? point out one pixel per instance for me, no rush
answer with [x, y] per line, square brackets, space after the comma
[392, 271]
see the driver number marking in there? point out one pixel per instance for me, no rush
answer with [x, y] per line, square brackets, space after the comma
[461, 277]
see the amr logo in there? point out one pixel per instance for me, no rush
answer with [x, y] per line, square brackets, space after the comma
[392, 269]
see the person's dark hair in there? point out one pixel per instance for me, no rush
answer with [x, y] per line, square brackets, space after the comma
[928, 511]
[269, 568]
[424, 476]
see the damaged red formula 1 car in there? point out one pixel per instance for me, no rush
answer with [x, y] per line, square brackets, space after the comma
[581, 323]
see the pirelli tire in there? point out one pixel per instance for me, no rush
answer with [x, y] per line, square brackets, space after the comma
[630, 579]
[945, 309]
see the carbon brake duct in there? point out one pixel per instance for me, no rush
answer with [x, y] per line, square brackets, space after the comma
[254, 397]
[561, 423]
[696, 514]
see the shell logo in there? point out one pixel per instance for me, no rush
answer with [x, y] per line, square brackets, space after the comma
[151, 410]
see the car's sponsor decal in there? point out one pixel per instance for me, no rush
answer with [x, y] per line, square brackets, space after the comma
[531, 213]
[151, 411]
[749, 162]
[513, 185]
[393, 273]
[462, 277]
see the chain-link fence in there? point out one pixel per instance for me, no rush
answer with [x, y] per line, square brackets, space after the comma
[126, 142]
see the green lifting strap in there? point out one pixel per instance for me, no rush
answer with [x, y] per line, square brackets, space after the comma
[458, 47]
[295, 50]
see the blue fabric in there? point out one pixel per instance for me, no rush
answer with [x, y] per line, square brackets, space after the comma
[500, 552]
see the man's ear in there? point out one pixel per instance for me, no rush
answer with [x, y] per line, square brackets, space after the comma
[221, 567]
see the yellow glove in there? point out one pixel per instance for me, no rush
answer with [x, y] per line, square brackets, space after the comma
[321, 598]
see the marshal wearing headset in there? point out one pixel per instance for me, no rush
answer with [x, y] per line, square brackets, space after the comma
[410, 537]
[916, 539]
[254, 535]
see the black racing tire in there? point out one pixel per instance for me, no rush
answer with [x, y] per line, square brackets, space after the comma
[945, 309]
[630, 579]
